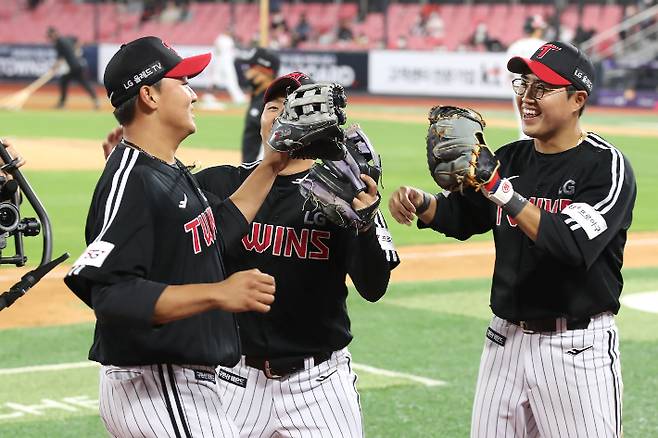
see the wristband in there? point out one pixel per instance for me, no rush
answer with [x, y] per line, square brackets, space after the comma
[422, 208]
[515, 205]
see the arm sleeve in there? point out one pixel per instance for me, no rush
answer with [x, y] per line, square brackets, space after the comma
[231, 224]
[579, 233]
[372, 256]
[111, 272]
[460, 215]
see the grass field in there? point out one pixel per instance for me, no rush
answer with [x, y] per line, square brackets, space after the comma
[433, 330]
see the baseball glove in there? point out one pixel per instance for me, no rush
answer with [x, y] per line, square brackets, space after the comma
[309, 126]
[457, 155]
[331, 186]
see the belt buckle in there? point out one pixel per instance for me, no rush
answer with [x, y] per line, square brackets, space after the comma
[524, 327]
[268, 371]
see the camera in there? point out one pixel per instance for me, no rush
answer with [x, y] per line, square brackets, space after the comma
[11, 223]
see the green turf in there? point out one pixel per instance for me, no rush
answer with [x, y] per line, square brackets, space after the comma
[430, 329]
[66, 194]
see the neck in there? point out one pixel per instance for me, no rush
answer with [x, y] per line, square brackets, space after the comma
[296, 166]
[154, 142]
[567, 139]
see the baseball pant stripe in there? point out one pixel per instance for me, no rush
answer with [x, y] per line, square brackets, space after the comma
[132, 411]
[165, 396]
[324, 400]
[257, 418]
[309, 405]
[347, 411]
[287, 411]
[179, 406]
[202, 427]
[615, 381]
[161, 426]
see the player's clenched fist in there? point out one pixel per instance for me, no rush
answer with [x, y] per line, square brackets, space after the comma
[246, 291]
[404, 203]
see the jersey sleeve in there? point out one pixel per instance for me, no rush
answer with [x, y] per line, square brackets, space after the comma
[120, 250]
[460, 215]
[599, 211]
[218, 184]
[372, 257]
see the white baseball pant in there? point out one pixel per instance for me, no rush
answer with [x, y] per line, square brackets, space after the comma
[565, 383]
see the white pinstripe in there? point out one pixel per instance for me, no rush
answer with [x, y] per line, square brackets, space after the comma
[298, 405]
[531, 386]
[132, 403]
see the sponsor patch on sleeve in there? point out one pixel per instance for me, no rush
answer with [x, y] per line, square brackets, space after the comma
[95, 254]
[385, 239]
[587, 218]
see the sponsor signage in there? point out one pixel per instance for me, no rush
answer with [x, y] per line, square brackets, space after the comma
[433, 73]
[350, 69]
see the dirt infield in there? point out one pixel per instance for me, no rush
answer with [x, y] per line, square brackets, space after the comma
[51, 303]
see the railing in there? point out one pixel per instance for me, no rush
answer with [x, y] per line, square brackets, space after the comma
[618, 47]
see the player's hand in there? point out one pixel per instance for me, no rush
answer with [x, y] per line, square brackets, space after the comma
[13, 153]
[402, 204]
[113, 138]
[247, 291]
[366, 198]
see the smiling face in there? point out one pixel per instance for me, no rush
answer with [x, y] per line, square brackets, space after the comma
[546, 117]
[175, 101]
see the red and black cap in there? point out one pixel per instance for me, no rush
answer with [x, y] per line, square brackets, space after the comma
[557, 63]
[145, 61]
[285, 84]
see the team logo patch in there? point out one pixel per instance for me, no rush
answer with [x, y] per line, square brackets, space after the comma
[232, 378]
[205, 376]
[495, 337]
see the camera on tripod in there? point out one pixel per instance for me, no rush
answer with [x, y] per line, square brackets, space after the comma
[11, 223]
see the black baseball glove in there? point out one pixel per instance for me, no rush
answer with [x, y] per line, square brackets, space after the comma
[457, 155]
[309, 126]
[331, 186]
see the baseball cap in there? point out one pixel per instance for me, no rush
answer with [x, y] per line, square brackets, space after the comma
[145, 61]
[263, 58]
[284, 84]
[557, 63]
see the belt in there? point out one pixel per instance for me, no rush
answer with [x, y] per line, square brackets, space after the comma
[551, 324]
[282, 366]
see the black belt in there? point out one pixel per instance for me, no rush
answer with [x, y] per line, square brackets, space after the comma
[551, 324]
[282, 366]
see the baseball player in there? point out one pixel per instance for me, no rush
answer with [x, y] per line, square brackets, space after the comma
[295, 376]
[533, 38]
[70, 53]
[262, 68]
[153, 270]
[550, 365]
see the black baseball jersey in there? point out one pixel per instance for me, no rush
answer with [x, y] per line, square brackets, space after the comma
[251, 141]
[586, 195]
[148, 227]
[309, 257]
[65, 48]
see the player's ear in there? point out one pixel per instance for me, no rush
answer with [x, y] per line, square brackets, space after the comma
[148, 96]
[579, 100]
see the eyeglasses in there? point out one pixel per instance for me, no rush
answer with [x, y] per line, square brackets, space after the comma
[538, 89]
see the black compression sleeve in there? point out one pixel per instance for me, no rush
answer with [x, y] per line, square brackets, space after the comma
[367, 265]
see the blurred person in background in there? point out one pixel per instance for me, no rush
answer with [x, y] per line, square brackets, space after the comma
[534, 29]
[223, 72]
[69, 52]
[262, 66]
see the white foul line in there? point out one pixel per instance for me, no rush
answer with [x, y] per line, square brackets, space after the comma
[54, 367]
[423, 380]
[87, 364]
